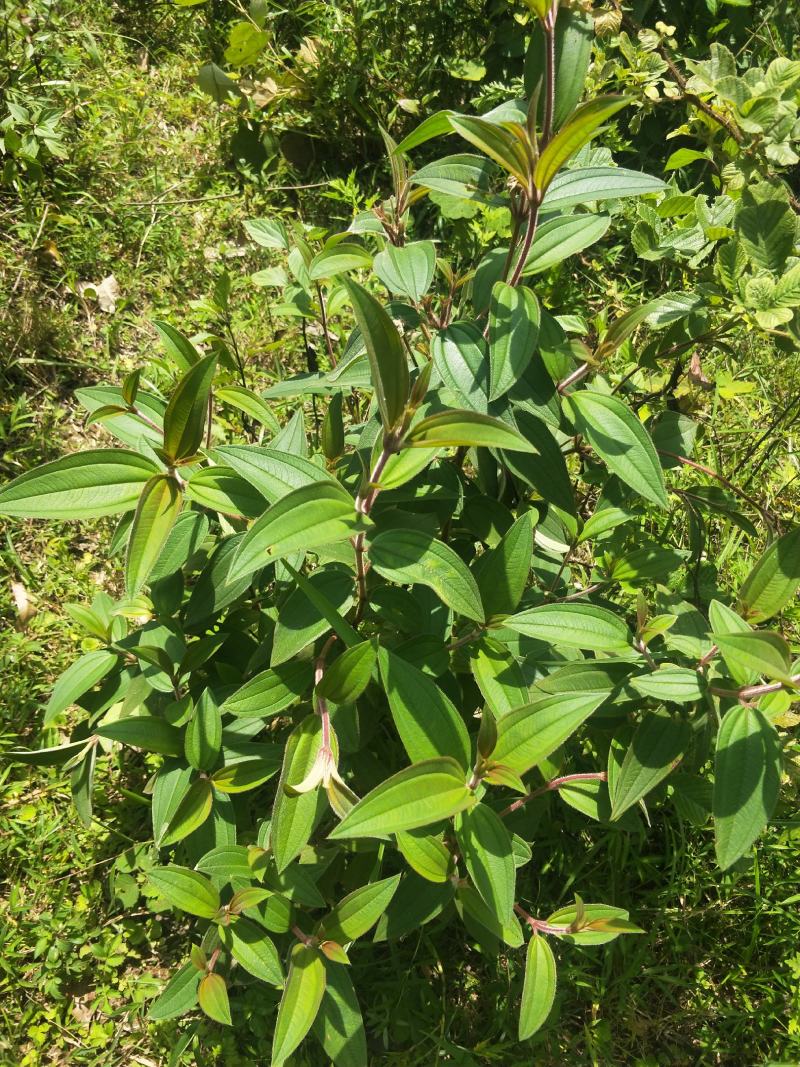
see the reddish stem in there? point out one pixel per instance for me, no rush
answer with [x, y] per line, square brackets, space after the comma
[554, 784]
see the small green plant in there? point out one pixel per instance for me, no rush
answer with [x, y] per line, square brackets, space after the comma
[350, 673]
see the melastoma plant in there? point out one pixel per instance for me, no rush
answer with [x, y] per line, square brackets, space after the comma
[355, 670]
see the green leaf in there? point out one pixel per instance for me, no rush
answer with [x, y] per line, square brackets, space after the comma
[419, 795]
[529, 734]
[470, 903]
[435, 125]
[319, 514]
[47, 757]
[574, 32]
[250, 403]
[410, 556]
[302, 620]
[656, 749]
[302, 996]
[513, 335]
[562, 237]
[585, 185]
[425, 854]
[500, 678]
[619, 438]
[573, 626]
[747, 772]
[250, 947]
[294, 815]
[222, 489]
[246, 774]
[86, 485]
[773, 581]
[387, 358]
[348, 676]
[459, 355]
[187, 410]
[577, 132]
[315, 594]
[464, 428]
[339, 1026]
[502, 573]
[539, 987]
[204, 734]
[767, 233]
[681, 685]
[272, 691]
[158, 508]
[332, 437]
[485, 846]
[179, 348]
[602, 923]
[148, 732]
[216, 84]
[545, 469]
[177, 997]
[269, 233]
[77, 679]
[763, 653]
[272, 473]
[358, 912]
[191, 813]
[212, 995]
[407, 270]
[496, 142]
[185, 889]
[336, 260]
[428, 723]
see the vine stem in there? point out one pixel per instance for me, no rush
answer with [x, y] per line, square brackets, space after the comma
[553, 784]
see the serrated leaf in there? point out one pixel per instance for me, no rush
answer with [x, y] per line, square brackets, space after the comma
[102, 481]
[187, 410]
[657, 746]
[485, 846]
[186, 889]
[539, 987]
[573, 626]
[302, 996]
[529, 734]
[410, 556]
[747, 771]
[417, 796]
[428, 723]
[358, 912]
[621, 441]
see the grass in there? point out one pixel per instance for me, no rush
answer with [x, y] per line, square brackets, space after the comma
[146, 193]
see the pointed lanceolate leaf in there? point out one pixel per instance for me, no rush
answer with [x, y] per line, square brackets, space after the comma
[187, 411]
[747, 772]
[185, 889]
[148, 732]
[158, 508]
[513, 335]
[465, 428]
[339, 1026]
[495, 141]
[619, 438]
[302, 996]
[250, 947]
[485, 846]
[763, 653]
[410, 556]
[428, 723]
[387, 358]
[539, 987]
[772, 582]
[657, 746]
[86, 485]
[319, 514]
[348, 676]
[420, 795]
[294, 815]
[503, 572]
[191, 813]
[573, 626]
[573, 135]
[203, 736]
[212, 994]
[531, 733]
[78, 679]
[358, 911]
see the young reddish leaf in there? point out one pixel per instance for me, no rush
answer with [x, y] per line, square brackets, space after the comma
[212, 995]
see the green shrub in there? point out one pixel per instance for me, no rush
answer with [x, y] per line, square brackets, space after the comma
[352, 672]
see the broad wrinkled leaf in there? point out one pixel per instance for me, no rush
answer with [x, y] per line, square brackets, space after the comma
[358, 911]
[185, 889]
[619, 438]
[302, 996]
[409, 556]
[465, 428]
[158, 508]
[420, 795]
[529, 734]
[407, 270]
[513, 335]
[387, 358]
[485, 846]
[539, 987]
[657, 747]
[747, 771]
[573, 626]
[102, 481]
[773, 581]
[319, 514]
[187, 410]
[575, 133]
[428, 723]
